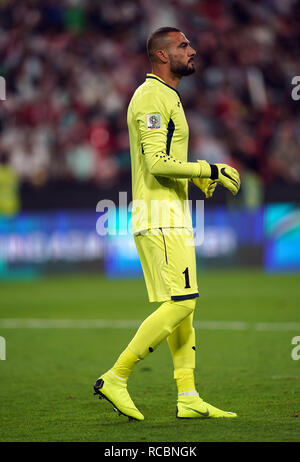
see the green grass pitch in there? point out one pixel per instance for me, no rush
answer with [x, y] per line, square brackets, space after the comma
[47, 377]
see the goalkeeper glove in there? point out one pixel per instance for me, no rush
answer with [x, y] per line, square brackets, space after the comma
[206, 185]
[223, 174]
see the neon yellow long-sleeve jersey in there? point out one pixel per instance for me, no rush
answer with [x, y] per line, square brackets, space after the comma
[158, 135]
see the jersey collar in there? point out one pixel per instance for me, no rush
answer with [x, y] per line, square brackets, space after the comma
[155, 77]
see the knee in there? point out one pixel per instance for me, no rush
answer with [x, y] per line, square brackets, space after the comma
[189, 304]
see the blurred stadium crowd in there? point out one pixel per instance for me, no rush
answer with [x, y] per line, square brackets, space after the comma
[71, 67]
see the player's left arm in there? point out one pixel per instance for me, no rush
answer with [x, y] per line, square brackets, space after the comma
[153, 117]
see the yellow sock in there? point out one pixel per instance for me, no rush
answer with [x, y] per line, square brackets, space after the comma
[182, 345]
[151, 333]
[125, 363]
[184, 380]
[159, 326]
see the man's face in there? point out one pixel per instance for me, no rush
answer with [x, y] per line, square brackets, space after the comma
[181, 54]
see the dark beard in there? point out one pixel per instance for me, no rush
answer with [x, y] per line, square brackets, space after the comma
[181, 70]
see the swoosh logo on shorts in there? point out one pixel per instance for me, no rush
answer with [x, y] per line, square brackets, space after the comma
[205, 414]
[228, 176]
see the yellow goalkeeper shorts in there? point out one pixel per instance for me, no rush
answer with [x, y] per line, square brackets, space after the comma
[169, 263]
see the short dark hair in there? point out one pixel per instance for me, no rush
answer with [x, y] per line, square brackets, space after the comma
[155, 37]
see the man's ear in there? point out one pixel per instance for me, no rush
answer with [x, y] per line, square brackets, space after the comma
[162, 56]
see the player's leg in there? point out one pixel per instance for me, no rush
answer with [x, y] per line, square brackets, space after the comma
[150, 334]
[182, 340]
[182, 347]
[183, 276]
[152, 331]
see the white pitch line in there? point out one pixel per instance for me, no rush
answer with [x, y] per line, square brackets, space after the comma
[222, 325]
[134, 323]
[68, 323]
[277, 326]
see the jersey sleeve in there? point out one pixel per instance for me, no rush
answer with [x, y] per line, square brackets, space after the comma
[153, 117]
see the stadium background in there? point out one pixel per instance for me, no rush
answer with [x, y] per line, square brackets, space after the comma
[70, 69]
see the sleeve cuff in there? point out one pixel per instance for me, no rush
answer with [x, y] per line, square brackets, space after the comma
[205, 170]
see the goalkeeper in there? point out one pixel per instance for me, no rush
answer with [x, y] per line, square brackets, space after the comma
[158, 134]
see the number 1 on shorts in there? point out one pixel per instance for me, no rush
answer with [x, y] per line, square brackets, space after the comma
[187, 278]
